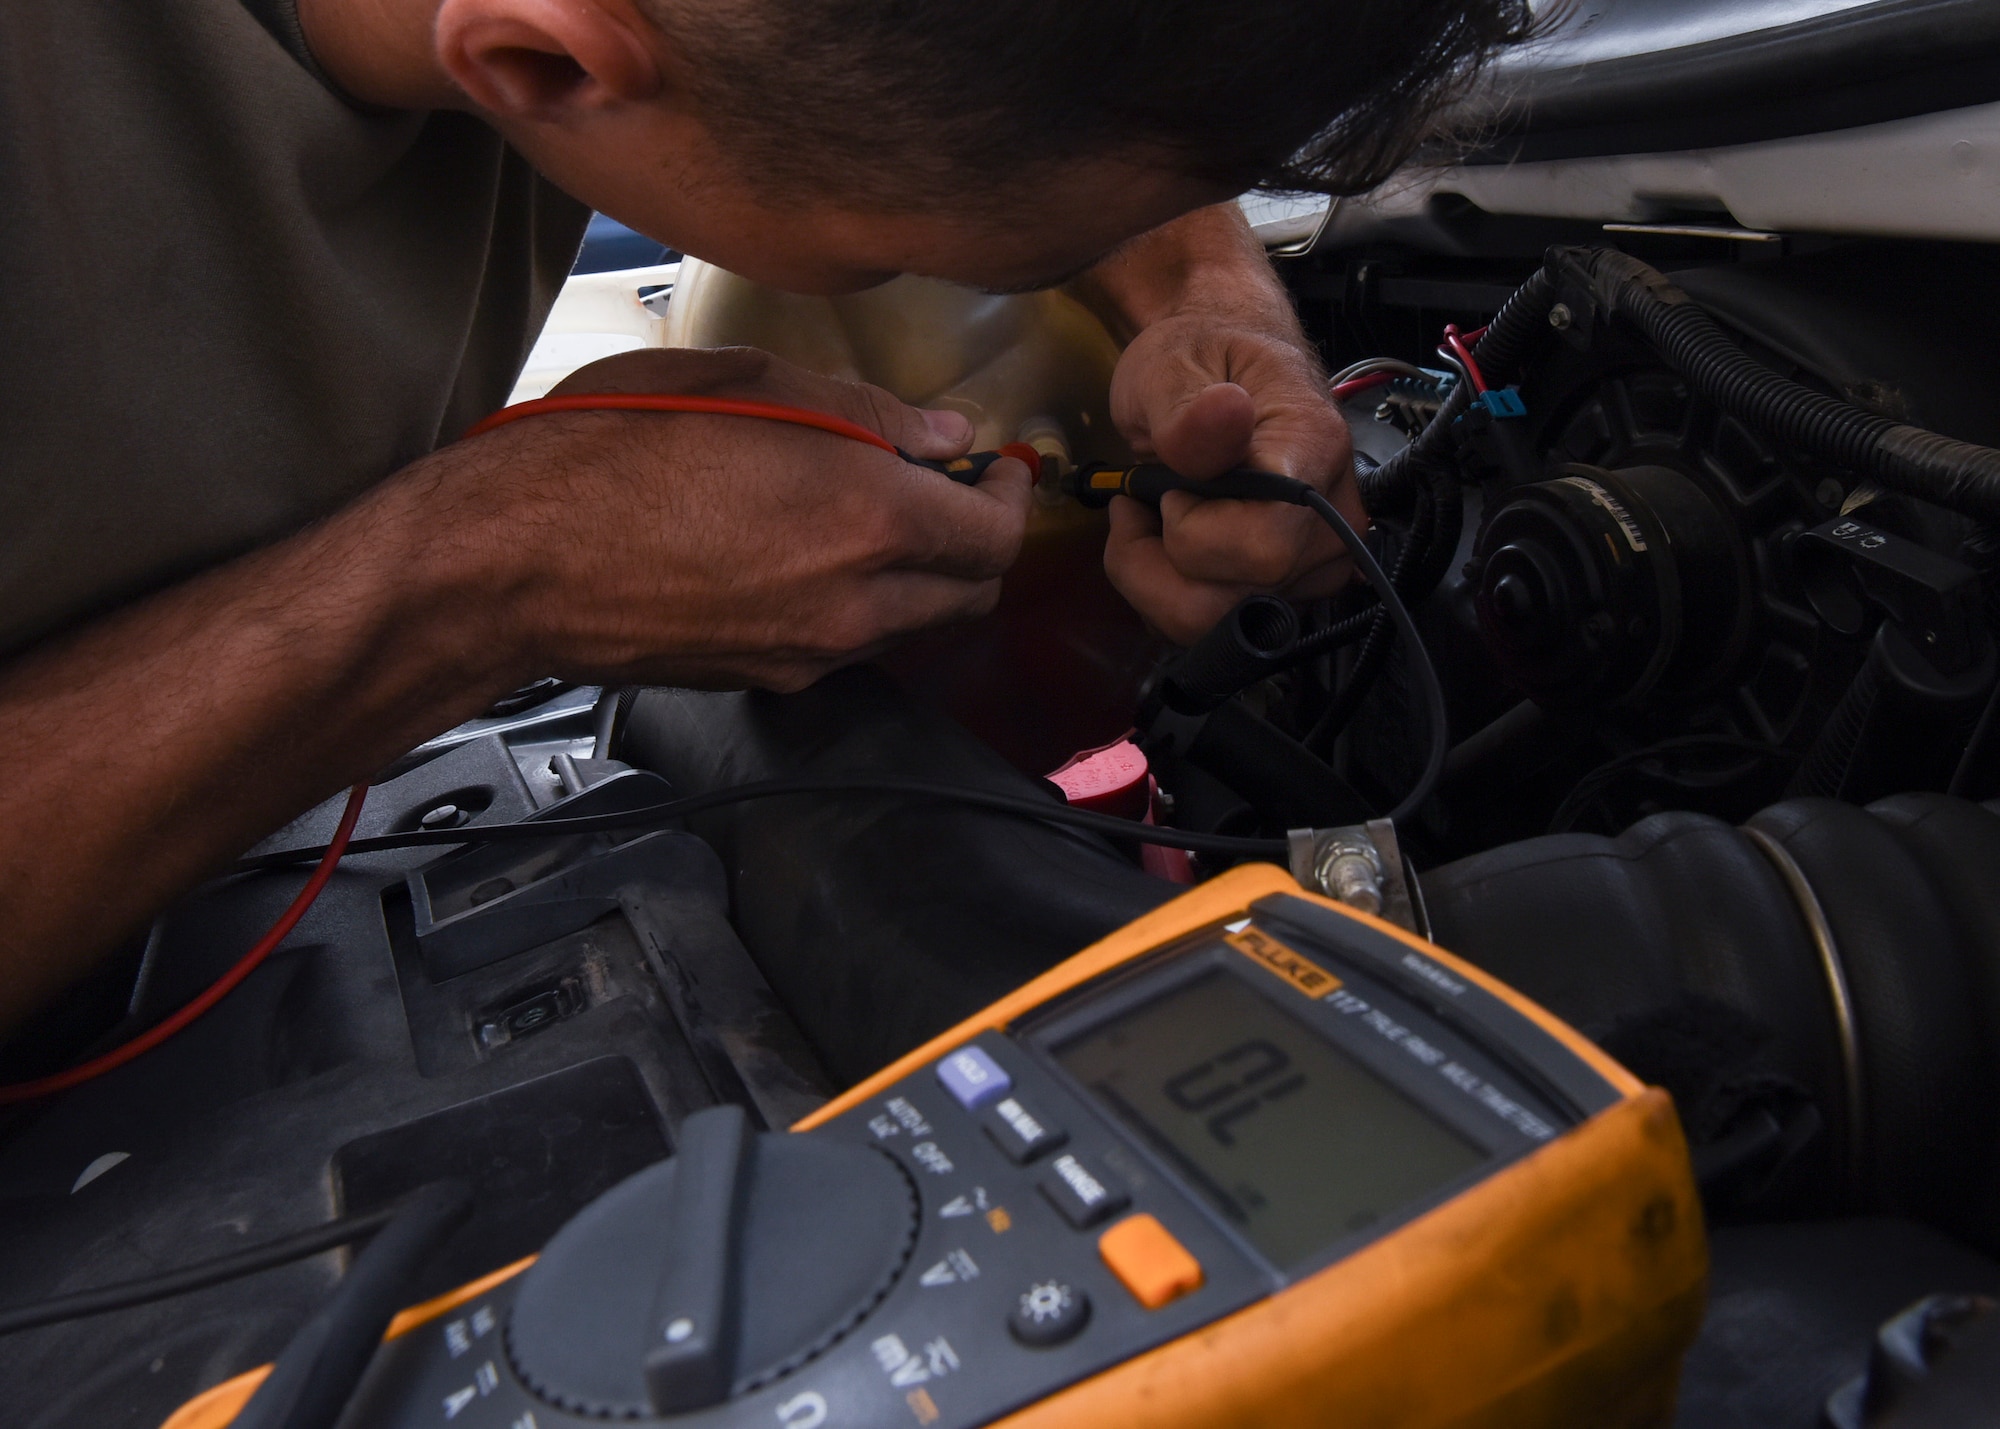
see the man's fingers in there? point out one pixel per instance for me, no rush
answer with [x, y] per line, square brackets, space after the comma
[934, 435]
[964, 532]
[1208, 432]
[1136, 561]
[1144, 563]
[1243, 542]
[1173, 400]
[909, 601]
[946, 434]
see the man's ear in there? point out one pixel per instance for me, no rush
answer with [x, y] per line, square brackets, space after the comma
[538, 60]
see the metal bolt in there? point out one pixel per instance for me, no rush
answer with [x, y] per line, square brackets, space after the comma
[1560, 317]
[444, 816]
[679, 1330]
[1351, 878]
[1349, 870]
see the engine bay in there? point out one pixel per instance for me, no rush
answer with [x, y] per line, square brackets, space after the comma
[1716, 646]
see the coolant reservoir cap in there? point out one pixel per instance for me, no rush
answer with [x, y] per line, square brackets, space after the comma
[1110, 780]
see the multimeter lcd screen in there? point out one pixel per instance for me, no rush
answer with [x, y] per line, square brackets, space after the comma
[1288, 1137]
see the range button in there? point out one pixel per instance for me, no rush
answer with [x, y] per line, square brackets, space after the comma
[1021, 1133]
[1082, 1193]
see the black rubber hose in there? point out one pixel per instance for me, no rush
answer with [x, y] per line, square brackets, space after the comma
[1823, 772]
[1847, 956]
[309, 1386]
[1278, 775]
[1041, 806]
[1256, 639]
[1934, 468]
[190, 1278]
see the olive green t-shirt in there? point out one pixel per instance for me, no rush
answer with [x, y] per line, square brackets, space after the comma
[230, 299]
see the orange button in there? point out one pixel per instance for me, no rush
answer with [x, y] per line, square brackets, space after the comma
[1155, 1267]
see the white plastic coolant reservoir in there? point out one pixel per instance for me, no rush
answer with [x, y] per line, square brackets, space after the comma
[1056, 668]
[1021, 366]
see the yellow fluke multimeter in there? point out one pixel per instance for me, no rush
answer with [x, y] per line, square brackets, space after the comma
[1255, 1159]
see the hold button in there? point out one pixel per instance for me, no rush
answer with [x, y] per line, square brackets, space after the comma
[973, 1078]
[1155, 1267]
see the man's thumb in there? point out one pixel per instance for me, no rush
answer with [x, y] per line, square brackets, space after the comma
[1208, 433]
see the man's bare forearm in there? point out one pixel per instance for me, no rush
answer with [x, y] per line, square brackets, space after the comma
[156, 744]
[1208, 261]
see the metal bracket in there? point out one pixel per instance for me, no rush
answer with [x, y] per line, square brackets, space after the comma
[1849, 567]
[1362, 866]
[489, 901]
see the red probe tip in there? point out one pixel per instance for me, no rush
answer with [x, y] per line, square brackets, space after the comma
[1027, 456]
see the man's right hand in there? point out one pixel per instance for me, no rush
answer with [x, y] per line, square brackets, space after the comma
[605, 546]
[719, 551]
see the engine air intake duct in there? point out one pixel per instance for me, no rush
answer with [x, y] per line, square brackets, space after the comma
[1820, 989]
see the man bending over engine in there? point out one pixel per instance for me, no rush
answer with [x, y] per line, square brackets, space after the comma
[265, 259]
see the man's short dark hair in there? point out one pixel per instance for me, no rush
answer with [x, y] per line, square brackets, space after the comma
[898, 101]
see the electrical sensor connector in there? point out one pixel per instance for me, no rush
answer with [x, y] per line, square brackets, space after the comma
[1502, 402]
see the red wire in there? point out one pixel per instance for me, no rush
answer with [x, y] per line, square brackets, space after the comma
[227, 983]
[1362, 384]
[1461, 347]
[674, 402]
[153, 1036]
[581, 402]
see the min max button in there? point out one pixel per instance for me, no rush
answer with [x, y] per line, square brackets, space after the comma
[973, 1078]
[1021, 1133]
